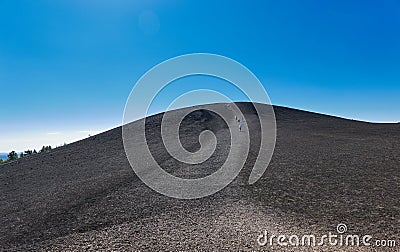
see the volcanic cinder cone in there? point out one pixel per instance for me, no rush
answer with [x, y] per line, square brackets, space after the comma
[325, 171]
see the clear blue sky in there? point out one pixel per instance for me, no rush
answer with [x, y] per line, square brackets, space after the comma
[67, 67]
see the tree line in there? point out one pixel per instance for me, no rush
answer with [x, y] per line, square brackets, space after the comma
[14, 155]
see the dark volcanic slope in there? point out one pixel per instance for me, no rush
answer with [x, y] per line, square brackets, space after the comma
[324, 171]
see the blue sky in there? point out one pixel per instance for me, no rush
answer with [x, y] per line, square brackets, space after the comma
[67, 67]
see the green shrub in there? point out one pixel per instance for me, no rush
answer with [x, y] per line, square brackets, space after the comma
[45, 149]
[28, 153]
[12, 155]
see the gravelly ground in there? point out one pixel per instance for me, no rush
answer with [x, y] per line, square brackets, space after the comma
[325, 171]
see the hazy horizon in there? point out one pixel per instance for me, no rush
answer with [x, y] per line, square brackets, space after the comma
[57, 136]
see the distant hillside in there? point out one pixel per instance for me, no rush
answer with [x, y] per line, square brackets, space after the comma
[3, 156]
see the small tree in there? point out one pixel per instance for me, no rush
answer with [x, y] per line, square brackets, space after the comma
[12, 155]
[21, 155]
[34, 151]
[45, 149]
[1, 161]
[28, 152]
